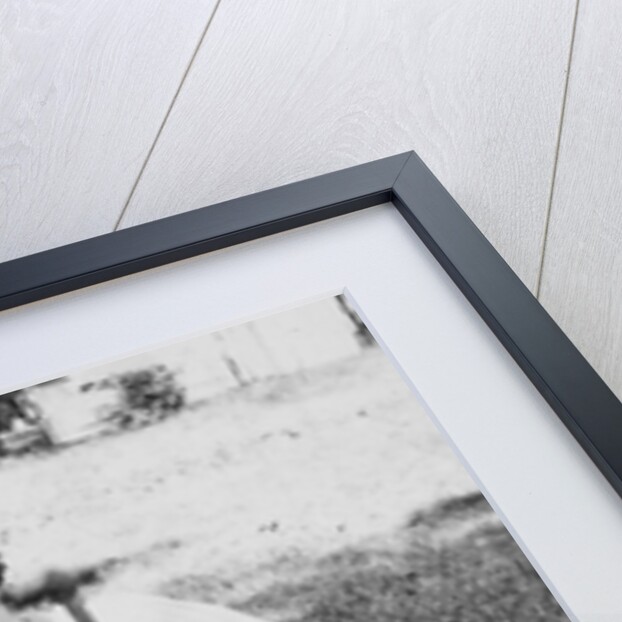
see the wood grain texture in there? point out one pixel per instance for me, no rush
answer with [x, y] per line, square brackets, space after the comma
[279, 92]
[582, 275]
[84, 87]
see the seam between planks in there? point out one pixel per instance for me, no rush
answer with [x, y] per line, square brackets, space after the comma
[547, 218]
[166, 116]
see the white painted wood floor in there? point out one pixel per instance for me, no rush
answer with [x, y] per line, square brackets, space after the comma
[112, 114]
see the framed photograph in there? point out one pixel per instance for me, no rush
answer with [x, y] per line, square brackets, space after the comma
[332, 400]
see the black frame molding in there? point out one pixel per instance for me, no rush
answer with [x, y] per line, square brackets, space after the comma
[572, 388]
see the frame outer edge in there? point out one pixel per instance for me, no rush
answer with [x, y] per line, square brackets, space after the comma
[569, 384]
[150, 245]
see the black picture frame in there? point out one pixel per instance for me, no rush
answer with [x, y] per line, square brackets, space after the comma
[573, 389]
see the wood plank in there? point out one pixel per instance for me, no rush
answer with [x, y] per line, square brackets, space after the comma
[279, 92]
[84, 87]
[582, 276]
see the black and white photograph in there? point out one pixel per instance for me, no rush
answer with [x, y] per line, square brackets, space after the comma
[279, 470]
